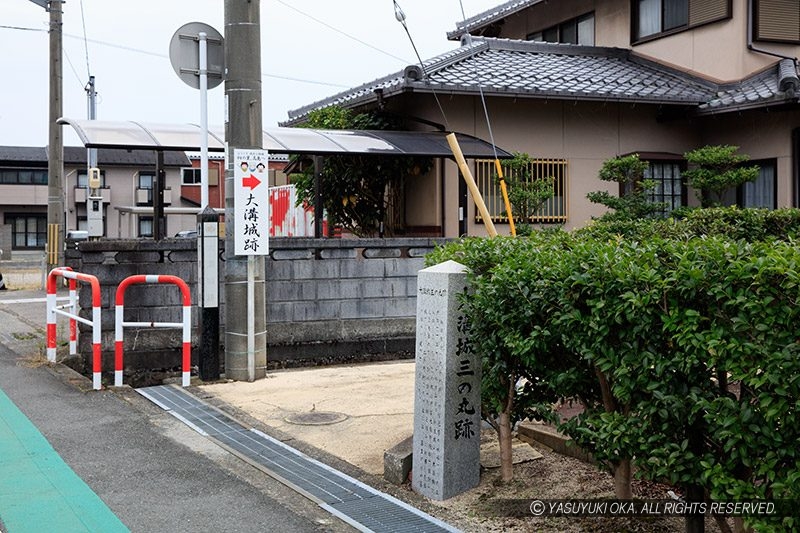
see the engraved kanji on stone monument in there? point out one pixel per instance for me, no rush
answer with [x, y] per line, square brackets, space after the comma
[447, 416]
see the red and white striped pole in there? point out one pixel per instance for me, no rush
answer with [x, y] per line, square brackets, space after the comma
[52, 331]
[185, 325]
[119, 313]
[52, 311]
[51, 314]
[73, 324]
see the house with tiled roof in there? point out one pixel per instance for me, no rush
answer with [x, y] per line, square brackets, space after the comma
[127, 178]
[576, 82]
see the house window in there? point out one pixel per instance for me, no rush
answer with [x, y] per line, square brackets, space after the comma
[776, 20]
[145, 226]
[579, 30]
[23, 176]
[144, 191]
[190, 176]
[27, 231]
[658, 16]
[666, 171]
[554, 211]
[761, 192]
[652, 18]
[146, 180]
[83, 179]
[669, 188]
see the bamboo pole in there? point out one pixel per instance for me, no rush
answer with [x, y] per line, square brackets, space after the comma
[471, 185]
[504, 190]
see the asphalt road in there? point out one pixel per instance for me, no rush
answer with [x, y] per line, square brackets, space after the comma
[153, 472]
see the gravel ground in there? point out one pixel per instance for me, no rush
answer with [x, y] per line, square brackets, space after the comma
[494, 506]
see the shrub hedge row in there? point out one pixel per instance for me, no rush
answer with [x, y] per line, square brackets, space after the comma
[681, 339]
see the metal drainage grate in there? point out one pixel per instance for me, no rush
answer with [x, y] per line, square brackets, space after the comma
[358, 504]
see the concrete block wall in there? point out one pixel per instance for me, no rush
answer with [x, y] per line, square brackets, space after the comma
[328, 300]
[340, 299]
[111, 261]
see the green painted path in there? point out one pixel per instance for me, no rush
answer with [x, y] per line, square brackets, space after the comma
[38, 491]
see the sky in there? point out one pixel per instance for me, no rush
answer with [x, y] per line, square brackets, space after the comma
[310, 50]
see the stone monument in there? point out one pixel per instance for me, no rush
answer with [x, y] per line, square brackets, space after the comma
[447, 417]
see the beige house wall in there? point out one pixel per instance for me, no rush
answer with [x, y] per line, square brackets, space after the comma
[586, 134]
[545, 15]
[24, 195]
[121, 184]
[761, 135]
[698, 50]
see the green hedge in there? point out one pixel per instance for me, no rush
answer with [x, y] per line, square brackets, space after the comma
[659, 316]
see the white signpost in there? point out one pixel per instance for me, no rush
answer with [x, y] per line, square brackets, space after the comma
[251, 202]
[251, 227]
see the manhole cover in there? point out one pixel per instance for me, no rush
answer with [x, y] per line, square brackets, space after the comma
[316, 418]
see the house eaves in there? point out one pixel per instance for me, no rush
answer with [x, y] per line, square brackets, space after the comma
[526, 69]
[778, 84]
[31, 156]
[489, 17]
[23, 155]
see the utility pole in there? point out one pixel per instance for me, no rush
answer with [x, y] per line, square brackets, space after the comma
[55, 145]
[243, 130]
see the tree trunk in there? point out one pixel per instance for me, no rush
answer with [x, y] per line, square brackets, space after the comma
[695, 522]
[622, 480]
[506, 454]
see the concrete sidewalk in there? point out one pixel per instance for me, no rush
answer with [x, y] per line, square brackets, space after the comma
[354, 412]
[153, 472]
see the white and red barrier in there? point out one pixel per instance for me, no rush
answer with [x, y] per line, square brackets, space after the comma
[53, 310]
[120, 323]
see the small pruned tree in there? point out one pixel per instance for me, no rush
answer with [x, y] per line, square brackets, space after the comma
[716, 169]
[635, 201]
[505, 314]
[526, 194]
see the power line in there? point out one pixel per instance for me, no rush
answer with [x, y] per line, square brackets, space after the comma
[289, 78]
[85, 43]
[480, 89]
[165, 56]
[337, 30]
[401, 18]
[21, 28]
[74, 70]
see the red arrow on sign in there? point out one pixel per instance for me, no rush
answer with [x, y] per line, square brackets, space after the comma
[251, 181]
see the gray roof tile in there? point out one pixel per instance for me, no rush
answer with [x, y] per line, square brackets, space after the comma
[762, 88]
[489, 16]
[505, 67]
[76, 155]
[525, 68]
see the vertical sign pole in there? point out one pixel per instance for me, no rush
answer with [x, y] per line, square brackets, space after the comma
[251, 318]
[208, 239]
[208, 280]
[250, 223]
[203, 120]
